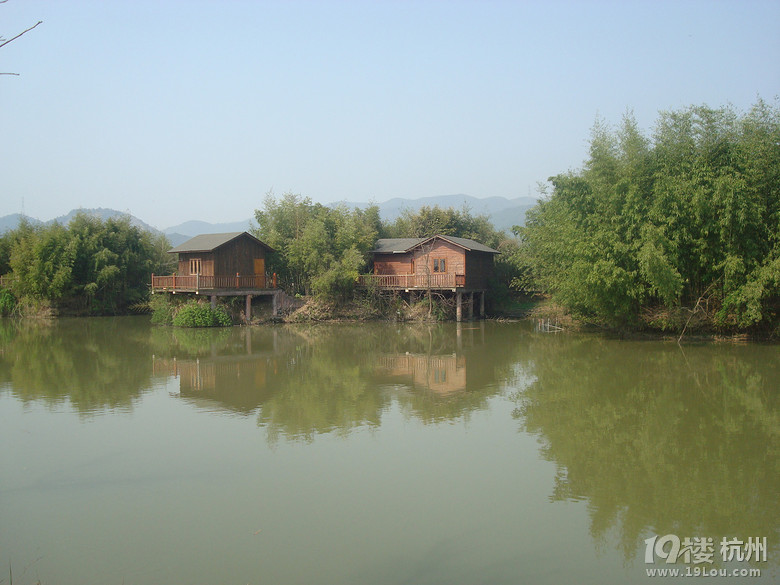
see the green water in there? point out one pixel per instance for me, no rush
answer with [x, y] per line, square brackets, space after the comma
[377, 454]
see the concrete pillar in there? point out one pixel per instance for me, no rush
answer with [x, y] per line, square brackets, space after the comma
[213, 302]
[248, 311]
[471, 306]
[275, 304]
[458, 307]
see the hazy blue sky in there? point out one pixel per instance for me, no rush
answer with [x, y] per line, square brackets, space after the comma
[194, 110]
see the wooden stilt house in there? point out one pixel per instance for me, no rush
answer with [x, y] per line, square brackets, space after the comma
[227, 261]
[438, 262]
[442, 263]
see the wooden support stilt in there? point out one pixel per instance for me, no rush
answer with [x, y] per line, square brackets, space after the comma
[248, 311]
[458, 306]
[482, 304]
[275, 304]
[471, 306]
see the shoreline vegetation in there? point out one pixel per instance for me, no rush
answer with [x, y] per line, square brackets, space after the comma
[674, 234]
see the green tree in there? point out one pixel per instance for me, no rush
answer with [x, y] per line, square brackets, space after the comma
[430, 221]
[318, 249]
[690, 215]
[42, 262]
[93, 265]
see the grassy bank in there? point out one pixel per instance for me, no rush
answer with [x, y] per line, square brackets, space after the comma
[677, 323]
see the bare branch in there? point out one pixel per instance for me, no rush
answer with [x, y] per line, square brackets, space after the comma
[4, 43]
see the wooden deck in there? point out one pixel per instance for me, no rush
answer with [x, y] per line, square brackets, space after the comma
[237, 284]
[412, 281]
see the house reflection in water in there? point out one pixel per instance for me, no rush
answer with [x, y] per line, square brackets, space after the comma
[303, 381]
[232, 376]
[442, 374]
[235, 383]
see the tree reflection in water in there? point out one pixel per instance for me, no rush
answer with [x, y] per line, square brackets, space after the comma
[660, 439]
[94, 364]
[655, 438]
[307, 380]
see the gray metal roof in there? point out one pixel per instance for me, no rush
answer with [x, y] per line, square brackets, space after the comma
[468, 244]
[395, 245]
[401, 245]
[209, 242]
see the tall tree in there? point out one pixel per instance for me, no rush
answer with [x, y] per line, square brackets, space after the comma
[318, 248]
[95, 265]
[689, 214]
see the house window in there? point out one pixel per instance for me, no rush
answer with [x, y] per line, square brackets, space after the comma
[195, 266]
[439, 265]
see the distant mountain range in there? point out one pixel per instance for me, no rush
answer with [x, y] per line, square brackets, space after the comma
[10, 222]
[178, 234]
[504, 213]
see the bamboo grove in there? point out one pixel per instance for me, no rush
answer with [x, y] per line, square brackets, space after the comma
[90, 266]
[654, 230]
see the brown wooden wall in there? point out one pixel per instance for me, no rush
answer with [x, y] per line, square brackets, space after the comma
[206, 263]
[438, 249]
[237, 256]
[393, 264]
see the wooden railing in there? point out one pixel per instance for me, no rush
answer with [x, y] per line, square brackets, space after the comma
[199, 282]
[434, 280]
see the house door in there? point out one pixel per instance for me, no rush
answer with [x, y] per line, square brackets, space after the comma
[260, 272]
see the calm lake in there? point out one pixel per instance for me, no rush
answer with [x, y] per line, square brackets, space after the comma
[382, 454]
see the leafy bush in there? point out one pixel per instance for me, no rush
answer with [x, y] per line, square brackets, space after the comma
[162, 310]
[198, 314]
[7, 302]
[222, 317]
[338, 281]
